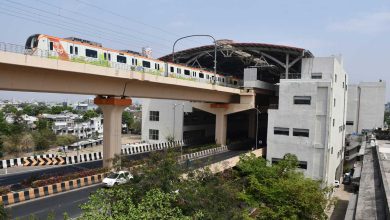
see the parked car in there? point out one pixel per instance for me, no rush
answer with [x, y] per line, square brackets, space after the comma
[117, 178]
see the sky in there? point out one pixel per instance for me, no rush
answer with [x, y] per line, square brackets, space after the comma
[356, 29]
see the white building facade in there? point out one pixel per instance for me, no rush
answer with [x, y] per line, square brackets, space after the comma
[310, 119]
[366, 106]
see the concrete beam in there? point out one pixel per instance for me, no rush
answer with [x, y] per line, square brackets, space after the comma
[20, 72]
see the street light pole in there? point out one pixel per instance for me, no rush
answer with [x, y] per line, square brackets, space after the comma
[200, 35]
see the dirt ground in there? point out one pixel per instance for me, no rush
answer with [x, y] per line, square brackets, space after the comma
[126, 138]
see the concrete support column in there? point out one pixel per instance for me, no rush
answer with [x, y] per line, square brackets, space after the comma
[252, 124]
[112, 126]
[220, 127]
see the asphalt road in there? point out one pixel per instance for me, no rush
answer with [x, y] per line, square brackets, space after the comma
[15, 178]
[57, 204]
[69, 201]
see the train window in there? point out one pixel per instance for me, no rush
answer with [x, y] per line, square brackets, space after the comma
[178, 70]
[186, 72]
[146, 64]
[76, 50]
[105, 56]
[121, 59]
[109, 56]
[71, 49]
[172, 69]
[201, 75]
[234, 82]
[223, 79]
[91, 53]
[51, 46]
[157, 66]
[193, 73]
[207, 77]
[132, 61]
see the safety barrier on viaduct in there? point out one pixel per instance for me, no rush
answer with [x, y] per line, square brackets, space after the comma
[52, 159]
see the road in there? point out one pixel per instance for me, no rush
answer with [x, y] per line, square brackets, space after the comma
[69, 201]
[15, 178]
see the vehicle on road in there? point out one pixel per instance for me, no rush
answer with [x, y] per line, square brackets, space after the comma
[117, 178]
[336, 183]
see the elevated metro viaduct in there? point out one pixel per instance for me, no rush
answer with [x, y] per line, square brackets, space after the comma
[261, 66]
[113, 87]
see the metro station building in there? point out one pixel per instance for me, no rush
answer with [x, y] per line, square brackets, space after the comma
[299, 106]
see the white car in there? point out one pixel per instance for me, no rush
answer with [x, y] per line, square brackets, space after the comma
[117, 178]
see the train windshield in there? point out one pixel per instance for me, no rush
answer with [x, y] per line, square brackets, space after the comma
[32, 41]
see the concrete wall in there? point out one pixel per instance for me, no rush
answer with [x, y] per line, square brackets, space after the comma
[366, 106]
[170, 112]
[372, 105]
[322, 150]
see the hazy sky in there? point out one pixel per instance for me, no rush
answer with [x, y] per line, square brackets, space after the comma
[358, 30]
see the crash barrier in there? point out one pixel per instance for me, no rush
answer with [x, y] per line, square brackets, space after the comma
[36, 160]
[33, 193]
[51, 159]
[204, 153]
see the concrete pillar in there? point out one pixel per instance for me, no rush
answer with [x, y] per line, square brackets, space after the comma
[112, 126]
[252, 124]
[220, 127]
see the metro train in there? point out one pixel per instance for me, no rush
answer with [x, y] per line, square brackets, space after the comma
[80, 50]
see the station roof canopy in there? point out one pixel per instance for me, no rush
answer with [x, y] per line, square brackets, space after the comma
[233, 57]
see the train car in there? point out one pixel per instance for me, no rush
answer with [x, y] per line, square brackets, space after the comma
[85, 51]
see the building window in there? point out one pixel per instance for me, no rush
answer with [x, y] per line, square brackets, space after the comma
[281, 131]
[186, 72]
[153, 134]
[300, 132]
[302, 100]
[51, 46]
[146, 64]
[91, 53]
[154, 116]
[301, 164]
[193, 73]
[71, 50]
[178, 70]
[109, 56]
[172, 69]
[207, 77]
[201, 75]
[349, 122]
[157, 66]
[76, 50]
[105, 55]
[121, 59]
[316, 75]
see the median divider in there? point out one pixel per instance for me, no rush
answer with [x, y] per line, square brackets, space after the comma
[33, 193]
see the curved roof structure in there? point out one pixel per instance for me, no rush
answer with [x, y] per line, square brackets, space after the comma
[272, 60]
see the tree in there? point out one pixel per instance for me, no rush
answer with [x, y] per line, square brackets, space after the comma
[118, 203]
[89, 114]
[127, 118]
[58, 109]
[280, 191]
[43, 139]
[9, 109]
[64, 140]
[43, 124]
[136, 127]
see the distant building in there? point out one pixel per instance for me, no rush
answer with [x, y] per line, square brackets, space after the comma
[366, 106]
[310, 119]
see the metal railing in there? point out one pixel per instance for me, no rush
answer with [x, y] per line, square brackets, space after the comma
[14, 48]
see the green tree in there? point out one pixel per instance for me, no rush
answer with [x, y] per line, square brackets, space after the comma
[280, 191]
[136, 126]
[9, 109]
[43, 139]
[89, 114]
[3, 212]
[127, 118]
[118, 203]
[64, 140]
[58, 109]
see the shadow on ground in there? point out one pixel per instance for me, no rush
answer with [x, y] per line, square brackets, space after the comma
[339, 210]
